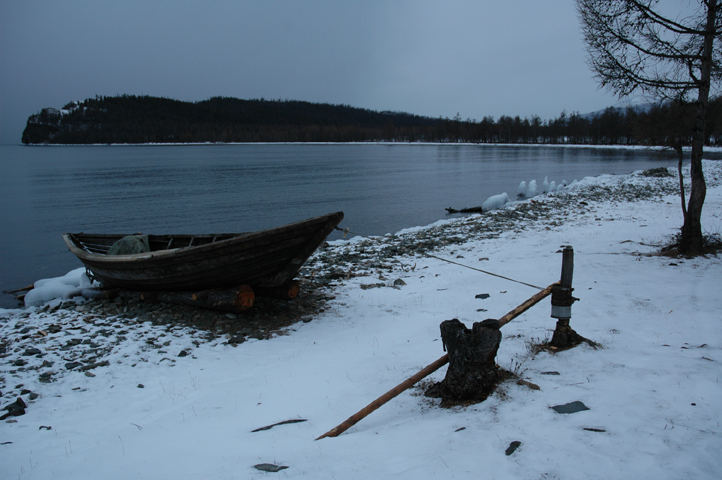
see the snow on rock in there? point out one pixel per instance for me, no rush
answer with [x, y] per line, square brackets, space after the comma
[495, 202]
[70, 285]
[528, 190]
[531, 189]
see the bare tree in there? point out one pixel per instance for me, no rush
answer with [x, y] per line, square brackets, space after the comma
[669, 50]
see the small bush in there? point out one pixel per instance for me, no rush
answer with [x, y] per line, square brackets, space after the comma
[657, 172]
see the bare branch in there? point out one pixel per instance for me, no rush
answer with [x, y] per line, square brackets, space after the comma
[667, 23]
[621, 71]
[690, 69]
[633, 46]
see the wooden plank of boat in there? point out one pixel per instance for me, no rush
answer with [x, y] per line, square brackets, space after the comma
[268, 258]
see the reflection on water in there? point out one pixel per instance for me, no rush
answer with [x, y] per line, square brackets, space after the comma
[46, 191]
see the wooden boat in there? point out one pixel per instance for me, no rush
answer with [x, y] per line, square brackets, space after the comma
[267, 258]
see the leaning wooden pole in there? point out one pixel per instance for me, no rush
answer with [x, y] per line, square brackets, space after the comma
[409, 382]
[427, 370]
[530, 302]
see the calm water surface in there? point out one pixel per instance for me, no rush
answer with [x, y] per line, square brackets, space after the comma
[45, 191]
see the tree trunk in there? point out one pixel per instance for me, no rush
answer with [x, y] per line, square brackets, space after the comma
[691, 240]
[680, 159]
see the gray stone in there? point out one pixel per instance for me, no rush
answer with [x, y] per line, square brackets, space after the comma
[571, 407]
[15, 409]
[512, 447]
[657, 172]
[91, 366]
[269, 467]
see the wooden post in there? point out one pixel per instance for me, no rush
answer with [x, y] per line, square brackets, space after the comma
[428, 370]
[562, 299]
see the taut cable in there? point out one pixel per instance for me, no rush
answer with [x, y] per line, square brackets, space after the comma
[346, 231]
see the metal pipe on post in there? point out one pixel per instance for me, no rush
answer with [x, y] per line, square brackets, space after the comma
[562, 294]
[567, 267]
[562, 300]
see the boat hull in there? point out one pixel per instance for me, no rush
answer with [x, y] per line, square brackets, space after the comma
[266, 258]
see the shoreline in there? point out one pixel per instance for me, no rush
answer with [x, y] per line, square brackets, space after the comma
[544, 211]
[710, 149]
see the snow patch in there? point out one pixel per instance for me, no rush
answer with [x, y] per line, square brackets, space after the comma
[70, 285]
[495, 202]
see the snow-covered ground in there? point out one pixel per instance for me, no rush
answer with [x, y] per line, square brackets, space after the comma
[653, 389]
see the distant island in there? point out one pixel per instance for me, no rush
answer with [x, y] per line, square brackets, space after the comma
[146, 119]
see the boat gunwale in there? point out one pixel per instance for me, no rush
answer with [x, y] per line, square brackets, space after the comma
[193, 250]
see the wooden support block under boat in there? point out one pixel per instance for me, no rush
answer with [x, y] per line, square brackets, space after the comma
[235, 300]
[287, 291]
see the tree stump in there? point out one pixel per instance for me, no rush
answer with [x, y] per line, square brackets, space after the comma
[472, 374]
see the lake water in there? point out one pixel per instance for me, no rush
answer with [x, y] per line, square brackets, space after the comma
[49, 190]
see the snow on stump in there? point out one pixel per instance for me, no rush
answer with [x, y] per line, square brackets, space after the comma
[472, 374]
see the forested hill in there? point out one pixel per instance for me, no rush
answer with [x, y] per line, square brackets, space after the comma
[144, 119]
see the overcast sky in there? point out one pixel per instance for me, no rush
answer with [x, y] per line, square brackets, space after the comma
[436, 58]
